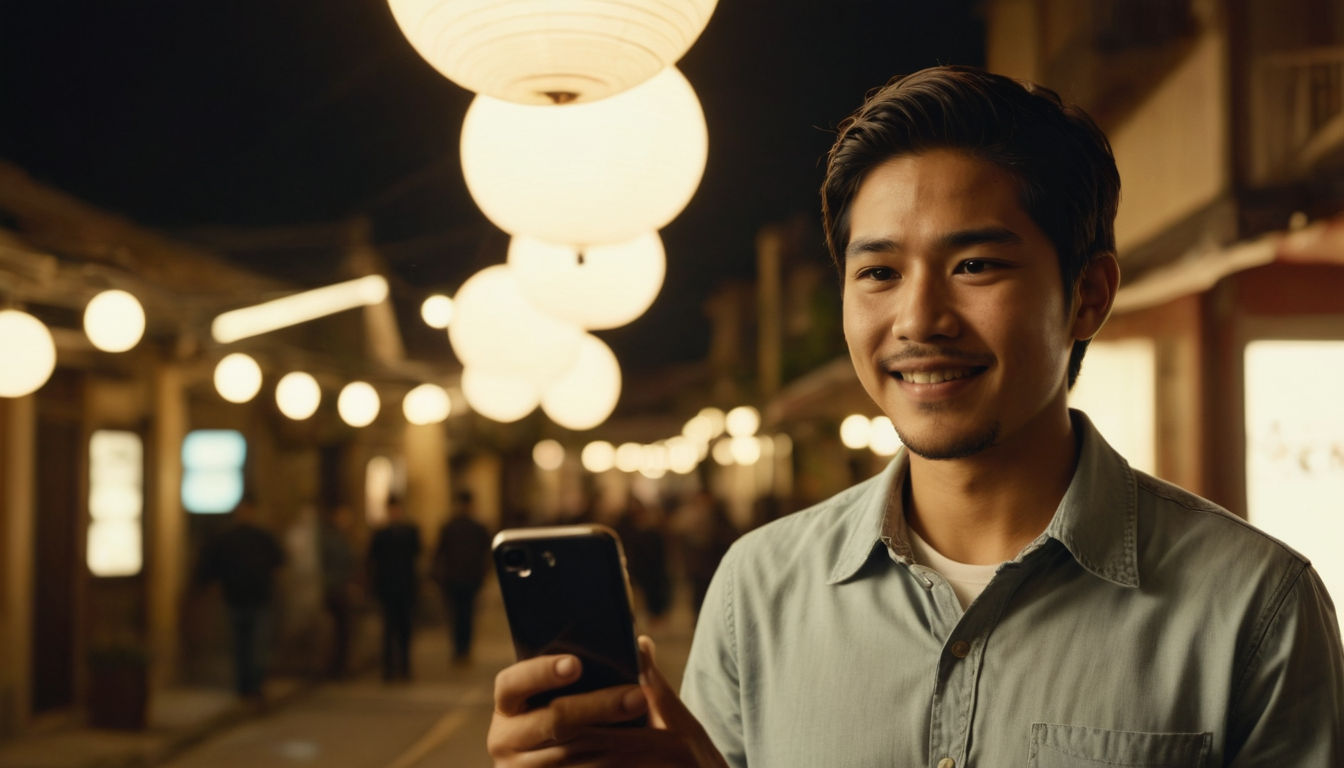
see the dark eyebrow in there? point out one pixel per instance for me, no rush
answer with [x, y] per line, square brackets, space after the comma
[955, 241]
[872, 245]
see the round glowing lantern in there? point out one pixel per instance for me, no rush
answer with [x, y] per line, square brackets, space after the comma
[238, 378]
[550, 51]
[598, 456]
[742, 421]
[297, 395]
[426, 404]
[497, 397]
[437, 311]
[855, 431]
[27, 353]
[358, 404]
[114, 321]
[587, 393]
[548, 455]
[598, 287]
[496, 330]
[587, 174]
[883, 439]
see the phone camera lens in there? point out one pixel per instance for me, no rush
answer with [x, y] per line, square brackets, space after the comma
[515, 558]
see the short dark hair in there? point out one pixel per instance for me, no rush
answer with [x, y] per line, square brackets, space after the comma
[1066, 175]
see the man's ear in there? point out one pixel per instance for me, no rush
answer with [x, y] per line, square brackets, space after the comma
[1095, 295]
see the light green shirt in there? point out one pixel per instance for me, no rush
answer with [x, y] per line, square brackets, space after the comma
[1145, 627]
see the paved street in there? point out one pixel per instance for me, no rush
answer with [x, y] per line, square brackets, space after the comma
[440, 719]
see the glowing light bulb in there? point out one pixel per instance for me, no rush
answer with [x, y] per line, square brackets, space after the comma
[297, 395]
[855, 431]
[358, 404]
[238, 378]
[497, 397]
[629, 456]
[426, 404]
[548, 455]
[598, 456]
[27, 353]
[883, 439]
[588, 392]
[437, 311]
[742, 421]
[114, 321]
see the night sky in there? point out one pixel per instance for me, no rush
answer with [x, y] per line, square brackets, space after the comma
[203, 117]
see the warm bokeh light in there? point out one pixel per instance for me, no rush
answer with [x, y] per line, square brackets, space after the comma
[587, 393]
[855, 431]
[598, 456]
[212, 470]
[783, 445]
[722, 452]
[682, 455]
[699, 429]
[499, 398]
[745, 450]
[426, 404]
[716, 420]
[629, 456]
[27, 353]
[742, 421]
[587, 174]
[653, 461]
[882, 437]
[114, 321]
[548, 454]
[549, 51]
[116, 503]
[379, 476]
[298, 308]
[496, 330]
[238, 378]
[358, 404]
[437, 311]
[598, 287]
[297, 395]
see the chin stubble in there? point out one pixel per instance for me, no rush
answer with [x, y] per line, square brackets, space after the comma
[956, 448]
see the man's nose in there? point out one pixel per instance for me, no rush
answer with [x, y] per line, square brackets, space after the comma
[924, 310]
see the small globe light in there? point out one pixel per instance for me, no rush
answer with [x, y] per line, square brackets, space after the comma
[499, 398]
[855, 431]
[653, 461]
[358, 404]
[745, 450]
[426, 404]
[682, 455]
[743, 421]
[27, 353]
[629, 457]
[437, 311]
[699, 429]
[598, 456]
[496, 330]
[238, 378]
[723, 452]
[298, 395]
[587, 394]
[883, 439]
[114, 321]
[603, 286]
[550, 51]
[587, 174]
[548, 455]
[716, 420]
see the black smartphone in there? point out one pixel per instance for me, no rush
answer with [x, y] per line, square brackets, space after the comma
[566, 591]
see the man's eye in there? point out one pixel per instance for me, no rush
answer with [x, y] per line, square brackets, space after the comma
[974, 266]
[877, 273]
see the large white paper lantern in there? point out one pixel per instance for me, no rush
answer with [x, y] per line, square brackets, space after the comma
[599, 287]
[238, 378]
[496, 330]
[549, 51]
[358, 404]
[498, 397]
[114, 321]
[586, 395]
[297, 395]
[587, 174]
[27, 353]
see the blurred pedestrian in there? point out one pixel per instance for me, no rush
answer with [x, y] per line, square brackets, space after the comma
[338, 571]
[460, 562]
[705, 534]
[243, 558]
[393, 554]
[646, 556]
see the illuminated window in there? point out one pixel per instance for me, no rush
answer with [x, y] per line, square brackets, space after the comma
[212, 476]
[1295, 449]
[116, 503]
[1117, 391]
[377, 488]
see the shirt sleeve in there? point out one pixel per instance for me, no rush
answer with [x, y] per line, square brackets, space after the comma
[710, 687]
[1290, 704]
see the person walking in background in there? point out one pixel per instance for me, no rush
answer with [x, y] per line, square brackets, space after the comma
[646, 554]
[243, 558]
[338, 570]
[460, 562]
[392, 572]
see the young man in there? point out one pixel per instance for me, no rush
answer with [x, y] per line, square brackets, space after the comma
[1008, 591]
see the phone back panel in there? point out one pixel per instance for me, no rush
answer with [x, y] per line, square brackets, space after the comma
[573, 598]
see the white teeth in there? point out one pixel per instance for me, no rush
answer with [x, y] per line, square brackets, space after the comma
[935, 377]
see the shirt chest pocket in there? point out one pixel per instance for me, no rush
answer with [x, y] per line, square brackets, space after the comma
[1071, 746]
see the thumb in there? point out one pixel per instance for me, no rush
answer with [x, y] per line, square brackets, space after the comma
[665, 709]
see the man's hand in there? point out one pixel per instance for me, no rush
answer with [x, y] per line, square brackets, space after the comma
[572, 730]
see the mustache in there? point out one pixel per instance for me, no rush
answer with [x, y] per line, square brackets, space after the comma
[920, 352]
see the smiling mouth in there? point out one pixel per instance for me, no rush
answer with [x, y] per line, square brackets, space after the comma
[937, 377]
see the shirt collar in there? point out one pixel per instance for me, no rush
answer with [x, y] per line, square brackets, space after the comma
[1097, 520]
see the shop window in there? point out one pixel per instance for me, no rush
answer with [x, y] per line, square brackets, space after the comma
[116, 503]
[1117, 390]
[212, 470]
[1295, 449]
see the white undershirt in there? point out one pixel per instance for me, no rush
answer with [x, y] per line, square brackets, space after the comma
[967, 581]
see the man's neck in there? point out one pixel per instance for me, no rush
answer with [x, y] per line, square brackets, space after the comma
[985, 508]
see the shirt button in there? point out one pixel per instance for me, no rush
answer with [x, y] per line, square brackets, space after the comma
[947, 762]
[959, 649]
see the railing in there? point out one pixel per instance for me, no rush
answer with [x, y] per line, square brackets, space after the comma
[1297, 118]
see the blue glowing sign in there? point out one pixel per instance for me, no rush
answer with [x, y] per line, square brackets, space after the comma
[212, 477]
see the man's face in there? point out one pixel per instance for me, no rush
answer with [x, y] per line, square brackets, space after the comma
[954, 310]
